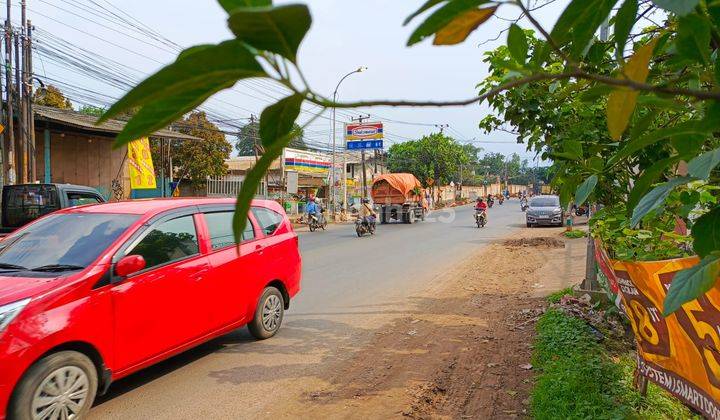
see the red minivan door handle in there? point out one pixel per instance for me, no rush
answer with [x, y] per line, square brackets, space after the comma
[259, 249]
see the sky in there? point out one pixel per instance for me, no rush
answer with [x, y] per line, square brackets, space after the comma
[129, 39]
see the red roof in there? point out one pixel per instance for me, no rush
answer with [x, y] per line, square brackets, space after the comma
[158, 205]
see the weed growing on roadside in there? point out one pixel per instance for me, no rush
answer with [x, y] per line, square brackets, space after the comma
[555, 297]
[578, 378]
[574, 234]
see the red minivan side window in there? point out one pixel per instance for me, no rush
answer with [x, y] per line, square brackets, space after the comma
[268, 220]
[219, 225]
[167, 242]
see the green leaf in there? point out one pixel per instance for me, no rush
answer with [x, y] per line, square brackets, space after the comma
[691, 283]
[647, 179]
[656, 198]
[250, 186]
[585, 189]
[636, 144]
[188, 51]
[679, 7]
[160, 113]
[199, 72]
[517, 44]
[429, 4]
[573, 148]
[690, 145]
[276, 123]
[277, 120]
[717, 69]
[641, 125]
[596, 54]
[624, 22]
[702, 166]
[693, 38]
[706, 233]
[579, 22]
[278, 29]
[230, 5]
[442, 17]
[462, 26]
[595, 93]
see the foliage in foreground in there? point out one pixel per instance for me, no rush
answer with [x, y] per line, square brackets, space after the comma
[579, 378]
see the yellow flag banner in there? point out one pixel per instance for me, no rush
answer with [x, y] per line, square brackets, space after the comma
[142, 172]
[681, 352]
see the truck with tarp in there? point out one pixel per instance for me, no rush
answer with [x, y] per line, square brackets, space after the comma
[401, 198]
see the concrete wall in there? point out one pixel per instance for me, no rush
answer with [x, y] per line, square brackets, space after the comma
[448, 193]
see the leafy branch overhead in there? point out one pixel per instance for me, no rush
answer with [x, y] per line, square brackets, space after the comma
[618, 116]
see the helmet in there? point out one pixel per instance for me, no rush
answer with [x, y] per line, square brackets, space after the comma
[366, 200]
[479, 199]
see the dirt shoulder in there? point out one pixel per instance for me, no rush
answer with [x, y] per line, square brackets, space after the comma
[465, 348]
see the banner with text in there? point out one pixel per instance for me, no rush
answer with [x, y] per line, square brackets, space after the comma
[364, 136]
[680, 353]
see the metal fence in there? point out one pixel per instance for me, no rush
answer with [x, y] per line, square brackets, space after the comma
[229, 186]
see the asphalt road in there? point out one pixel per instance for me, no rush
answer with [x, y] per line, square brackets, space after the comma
[351, 286]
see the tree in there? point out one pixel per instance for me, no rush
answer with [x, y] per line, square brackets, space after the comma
[249, 137]
[198, 159]
[435, 159]
[51, 96]
[95, 111]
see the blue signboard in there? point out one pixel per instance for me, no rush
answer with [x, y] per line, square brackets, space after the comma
[364, 144]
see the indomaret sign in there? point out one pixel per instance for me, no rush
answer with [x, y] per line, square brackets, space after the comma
[364, 136]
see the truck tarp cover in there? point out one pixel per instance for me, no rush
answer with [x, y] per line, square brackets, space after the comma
[403, 186]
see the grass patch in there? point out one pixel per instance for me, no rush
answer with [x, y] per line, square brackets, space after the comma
[574, 234]
[579, 378]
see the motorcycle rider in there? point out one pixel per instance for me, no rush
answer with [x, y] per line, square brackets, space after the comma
[481, 207]
[367, 213]
[313, 209]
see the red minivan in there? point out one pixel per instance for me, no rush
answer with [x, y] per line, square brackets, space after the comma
[91, 294]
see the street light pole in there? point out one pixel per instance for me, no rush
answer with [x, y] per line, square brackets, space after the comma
[334, 150]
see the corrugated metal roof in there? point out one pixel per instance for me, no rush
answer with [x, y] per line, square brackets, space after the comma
[87, 122]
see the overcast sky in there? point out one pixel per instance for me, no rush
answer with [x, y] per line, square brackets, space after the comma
[345, 35]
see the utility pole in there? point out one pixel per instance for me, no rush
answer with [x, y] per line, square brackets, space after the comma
[29, 95]
[590, 282]
[22, 165]
[360, 120]
[257, 147]
[9, 99]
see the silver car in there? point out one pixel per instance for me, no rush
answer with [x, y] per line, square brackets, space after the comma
[544, 210]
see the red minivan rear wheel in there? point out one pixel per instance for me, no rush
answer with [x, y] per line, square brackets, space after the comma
[268, 314]
[60, 385]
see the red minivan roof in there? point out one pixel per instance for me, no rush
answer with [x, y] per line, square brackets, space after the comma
[158, 205]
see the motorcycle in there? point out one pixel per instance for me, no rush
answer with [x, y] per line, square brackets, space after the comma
[581, 210]
[501, 200]
[490, 202]
[363, 227]
[314, 223]
[480, 218]
[524, 205]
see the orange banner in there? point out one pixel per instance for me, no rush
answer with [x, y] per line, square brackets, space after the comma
[680, 353]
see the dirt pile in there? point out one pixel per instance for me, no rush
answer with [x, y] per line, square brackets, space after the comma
[463, 352]
[538, 242]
